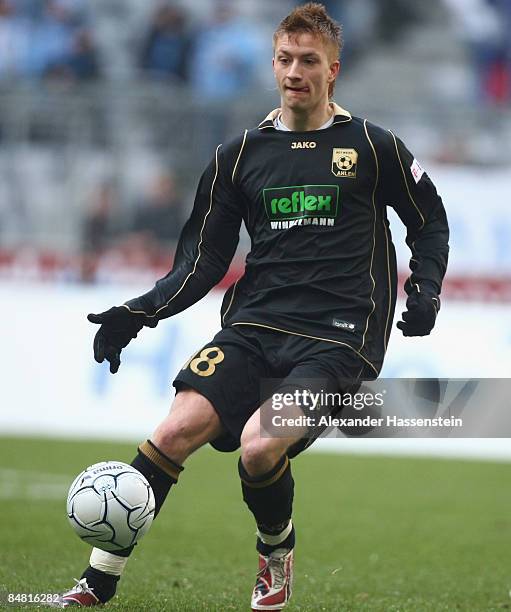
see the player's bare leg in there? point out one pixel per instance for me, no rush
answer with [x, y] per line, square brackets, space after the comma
[268, 486]
[191, 423]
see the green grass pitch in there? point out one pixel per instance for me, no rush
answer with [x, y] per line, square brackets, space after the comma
[374, 534]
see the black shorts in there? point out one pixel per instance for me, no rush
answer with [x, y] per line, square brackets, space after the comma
[236, 369]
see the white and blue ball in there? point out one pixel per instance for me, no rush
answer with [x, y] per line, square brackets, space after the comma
[110, 505]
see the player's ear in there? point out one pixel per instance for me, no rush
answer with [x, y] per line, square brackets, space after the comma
[335, 68]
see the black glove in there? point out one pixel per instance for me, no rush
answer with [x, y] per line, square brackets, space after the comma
[420, 315]
[118, 327]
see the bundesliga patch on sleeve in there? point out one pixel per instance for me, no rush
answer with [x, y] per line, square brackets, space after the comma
[417, 170]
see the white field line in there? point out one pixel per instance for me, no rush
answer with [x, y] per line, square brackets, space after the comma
[33, 485]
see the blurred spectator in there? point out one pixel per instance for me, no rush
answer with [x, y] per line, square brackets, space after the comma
[227, 60]
[51, 38]
[83, 61]
[98, 226]
[502, 66]
[32, 9]
[14, 40]
[45, 37]
[98, 229]
[158, 215]
[484, 26]
[166, 49]
[364, 20]
[358, 20]
[228, 54]
[81, 64]
[394, 17]
[35, 9]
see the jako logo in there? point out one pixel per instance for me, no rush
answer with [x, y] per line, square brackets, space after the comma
[303, 145]
[301, 202]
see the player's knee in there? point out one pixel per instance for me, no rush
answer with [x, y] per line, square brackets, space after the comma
[174, 439]
[172, 430]
[259, 455]
[185, 428]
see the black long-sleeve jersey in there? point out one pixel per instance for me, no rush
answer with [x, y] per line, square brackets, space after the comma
[322, 263]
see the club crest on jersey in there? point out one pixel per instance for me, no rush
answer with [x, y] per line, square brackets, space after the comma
[344, 163]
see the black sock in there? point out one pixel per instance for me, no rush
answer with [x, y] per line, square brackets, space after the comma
[270, 499]
[103, 585]
[161, 473]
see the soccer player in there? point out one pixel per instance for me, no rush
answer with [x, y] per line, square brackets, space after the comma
[316, 302]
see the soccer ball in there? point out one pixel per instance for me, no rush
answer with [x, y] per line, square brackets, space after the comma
[110, 505]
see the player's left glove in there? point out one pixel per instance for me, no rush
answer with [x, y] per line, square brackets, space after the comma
[421, 310]
[118, 327]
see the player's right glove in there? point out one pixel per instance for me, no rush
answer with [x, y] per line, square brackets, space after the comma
[421, 310]
[118, 327]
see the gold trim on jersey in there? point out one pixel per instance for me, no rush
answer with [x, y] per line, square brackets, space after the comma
[230, 301]
[374, 233]
[198, 248]
[239, 154]
[292, 333]
[385, 336]
[406, 182]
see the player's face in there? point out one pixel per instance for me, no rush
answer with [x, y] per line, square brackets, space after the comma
[304, 68]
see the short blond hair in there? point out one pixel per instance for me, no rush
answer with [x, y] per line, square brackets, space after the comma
[312, 18]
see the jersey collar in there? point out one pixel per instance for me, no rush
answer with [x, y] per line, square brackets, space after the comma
[340, 116]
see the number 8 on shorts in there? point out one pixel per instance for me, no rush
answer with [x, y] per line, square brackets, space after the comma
[205, 364]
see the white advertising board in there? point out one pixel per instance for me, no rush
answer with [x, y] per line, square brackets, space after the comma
[51, 384]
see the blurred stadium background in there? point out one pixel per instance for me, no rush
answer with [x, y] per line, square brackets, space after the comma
[109, 110]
